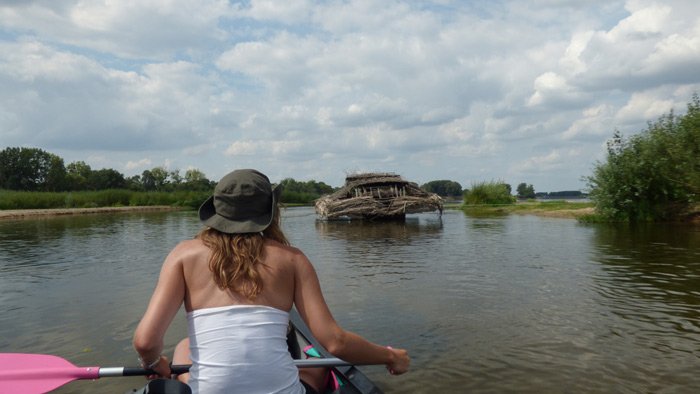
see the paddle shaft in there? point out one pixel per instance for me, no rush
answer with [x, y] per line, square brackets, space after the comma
[180, 369]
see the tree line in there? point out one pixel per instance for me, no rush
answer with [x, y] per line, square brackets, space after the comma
[33, 169]
[36, 170]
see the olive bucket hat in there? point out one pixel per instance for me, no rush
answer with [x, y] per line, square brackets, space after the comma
[243, 202]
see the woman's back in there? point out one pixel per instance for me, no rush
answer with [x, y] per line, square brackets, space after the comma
[238, 343]
[276, 271]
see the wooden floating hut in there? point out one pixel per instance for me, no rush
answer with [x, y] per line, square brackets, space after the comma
[376, 196]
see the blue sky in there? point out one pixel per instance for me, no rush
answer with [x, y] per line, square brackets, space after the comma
[463, 90]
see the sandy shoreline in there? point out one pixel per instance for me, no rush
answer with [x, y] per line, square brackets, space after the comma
[33, 213]
[560, 213]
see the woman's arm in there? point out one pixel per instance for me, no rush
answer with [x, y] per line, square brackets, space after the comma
[165, 302]
[346, 345]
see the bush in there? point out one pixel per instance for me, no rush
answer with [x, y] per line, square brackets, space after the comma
[488, 193]
[651, 176]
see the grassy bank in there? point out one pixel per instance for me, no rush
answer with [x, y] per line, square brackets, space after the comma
[11, 214]
[14, 200]
[583, 211]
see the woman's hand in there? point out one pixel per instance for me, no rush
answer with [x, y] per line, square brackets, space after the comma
[400, 361]
[162, 368]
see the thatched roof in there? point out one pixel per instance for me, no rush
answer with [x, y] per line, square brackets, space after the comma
[377, 195]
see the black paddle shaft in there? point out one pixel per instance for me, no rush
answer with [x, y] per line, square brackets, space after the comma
[135, 371]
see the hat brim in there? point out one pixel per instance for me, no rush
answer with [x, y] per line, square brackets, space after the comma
[209, 217]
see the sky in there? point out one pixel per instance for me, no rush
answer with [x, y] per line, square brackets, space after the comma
[468, 91]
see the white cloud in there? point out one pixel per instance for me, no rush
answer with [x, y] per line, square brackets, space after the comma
[595, 121]
[242, 148]
[549, 87]
[641, 50]
[140, 164]
[150, 29]
[289, 11]
[468, 90]
[553, 160]
[571, 62]
[644, 105]
[263, 148]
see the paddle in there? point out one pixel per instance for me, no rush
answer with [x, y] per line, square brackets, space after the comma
[40, 373]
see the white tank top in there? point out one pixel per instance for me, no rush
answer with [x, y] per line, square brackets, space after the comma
[241, 349]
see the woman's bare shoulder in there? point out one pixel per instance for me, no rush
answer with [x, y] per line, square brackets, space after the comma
[189, 245]
[188, 249]
[286, 252]
[280, 247]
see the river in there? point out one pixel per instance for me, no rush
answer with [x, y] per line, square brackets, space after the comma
[492, 304]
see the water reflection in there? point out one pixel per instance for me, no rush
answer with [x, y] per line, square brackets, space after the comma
[385, 250]
[487, 224]
[28, 248]
[400, 231]
[650, 281]
[651, 264]
[56, 270]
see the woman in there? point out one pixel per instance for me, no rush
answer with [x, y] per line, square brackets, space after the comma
[239, 278]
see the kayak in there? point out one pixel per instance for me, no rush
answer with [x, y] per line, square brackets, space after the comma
[352, 380]
[348, 378]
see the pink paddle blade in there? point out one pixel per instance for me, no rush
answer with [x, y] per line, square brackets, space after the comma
[39, 373]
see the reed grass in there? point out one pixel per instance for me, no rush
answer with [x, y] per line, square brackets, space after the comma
[488, 193]
[102, 198]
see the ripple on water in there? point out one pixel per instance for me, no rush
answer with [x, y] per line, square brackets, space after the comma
[504, 304]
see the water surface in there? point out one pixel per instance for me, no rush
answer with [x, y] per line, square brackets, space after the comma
[484, 304]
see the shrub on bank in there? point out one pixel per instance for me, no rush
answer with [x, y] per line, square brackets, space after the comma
[488, 193]
[653, 175]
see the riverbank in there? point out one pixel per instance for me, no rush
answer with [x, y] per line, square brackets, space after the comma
[581, 211]
[555, 209]
[34, 213]
[560, 213]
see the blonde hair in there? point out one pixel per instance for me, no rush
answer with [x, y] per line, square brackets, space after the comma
[234, 257]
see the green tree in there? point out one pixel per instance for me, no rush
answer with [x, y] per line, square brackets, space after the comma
[148, 181]
[525, 191]
[31, 169]
[134, 183]
[56, 175]
[303, 192]
[106, 178]
[444, 188]
[196, 180]
[77, 174]
[653, 175]
[160, 178]
[175, 178]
